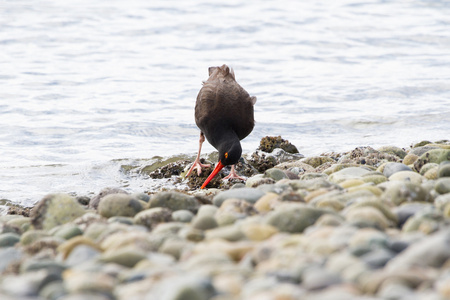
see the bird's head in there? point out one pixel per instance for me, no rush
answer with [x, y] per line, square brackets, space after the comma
[229, 154]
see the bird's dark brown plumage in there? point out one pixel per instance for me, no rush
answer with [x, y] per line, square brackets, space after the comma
[224, 114]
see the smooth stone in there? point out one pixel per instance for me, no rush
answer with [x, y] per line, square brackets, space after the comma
[294, 218]
[420, 150]
[238, 207]
[338, 167]
[403, 191]
[127, 256]
[316, 161]
[442, 185]
[258, 232]
[382, 207]
[392, 167]
[184, 216]
[318, 279]
[204, 222]
[409, 176]
[31, 236]
[258, 180]
[424, 221]
[174, 201]
[45, 264]
[80, 254]
[153, 216]
[9, 256]
[348, 173]
[66, 248]
[377, 258]
[230, 233]
[264, 204]
[410, 159]
[366, 187]
[407, 210]
[207, 210]
[119, 205]
[27, 284]
[427, 167]
[275, 173]
[121, 220]
[22, 222]
[9, 239]
[308, 176]
[430, 251]
[310, 184]
[350, 183]
[54, 210]
[68, 231]
[53, 290]
[431, 174]
[444, 169]
[192, 234]
[174, 247]
[367, 217]
[80, 281]
[441, 201]
[135, 239]
[435, 156]
[393, 151]
[141, 196]
[248, 194]
[395, 290]
[107, 191]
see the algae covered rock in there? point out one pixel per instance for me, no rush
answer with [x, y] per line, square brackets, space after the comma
[268, 143]
[54, 210]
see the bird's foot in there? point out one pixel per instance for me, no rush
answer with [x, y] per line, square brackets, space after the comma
[197, 165]
[233, 175]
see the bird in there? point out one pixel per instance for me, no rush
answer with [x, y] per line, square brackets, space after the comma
[224, 114]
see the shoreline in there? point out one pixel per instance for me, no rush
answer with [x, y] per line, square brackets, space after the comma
[363, 223]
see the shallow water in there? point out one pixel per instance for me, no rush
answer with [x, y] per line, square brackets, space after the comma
[89, 85]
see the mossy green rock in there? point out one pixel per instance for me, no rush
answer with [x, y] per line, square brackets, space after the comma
[294, 218]
[436, 156]
[174, 201]
[393, 151]
[402, 191]
[119, 205]
[54, 210]
[316, 161]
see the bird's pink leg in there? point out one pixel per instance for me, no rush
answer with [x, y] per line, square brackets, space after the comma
[197, 165]
[233, 174]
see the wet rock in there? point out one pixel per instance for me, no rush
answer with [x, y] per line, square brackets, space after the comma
[248, 194]
[119, 205]
[54, 210]
[269, 143]
[107, 191]
[153, 216]
[174, 201]
[393, 167]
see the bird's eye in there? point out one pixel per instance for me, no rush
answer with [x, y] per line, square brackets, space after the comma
[226, 154]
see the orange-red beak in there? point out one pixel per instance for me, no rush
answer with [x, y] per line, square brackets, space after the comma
[218, 167]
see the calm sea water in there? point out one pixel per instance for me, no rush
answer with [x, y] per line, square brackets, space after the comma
[86, 86]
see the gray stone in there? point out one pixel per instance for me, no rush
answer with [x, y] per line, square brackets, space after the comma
[442, 185]
[153, 216]
[184, 216]
[204, 222]
[402, 191]
[107, 191]
[444, 169]
[348, 173]
[174, 201]
[430, 251]
[81, 254]
[119, 205]
[247, 194]
[393, 167]
[294, 218]
[275, 173]
[9, 256]
[9, 239]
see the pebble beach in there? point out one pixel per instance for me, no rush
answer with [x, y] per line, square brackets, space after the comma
[363, 224]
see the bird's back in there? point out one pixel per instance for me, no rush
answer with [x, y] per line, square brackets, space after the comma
[222, 104]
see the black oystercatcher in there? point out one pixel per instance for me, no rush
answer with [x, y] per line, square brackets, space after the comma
[224, 114]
